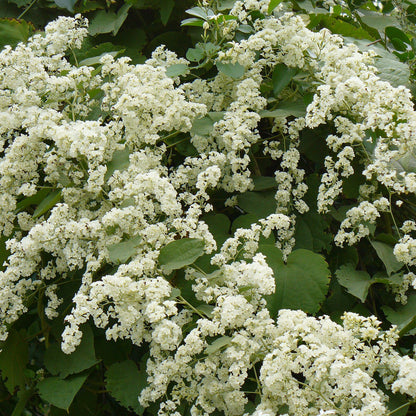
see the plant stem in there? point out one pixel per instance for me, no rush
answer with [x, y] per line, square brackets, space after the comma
[400, 408]
[26, 10]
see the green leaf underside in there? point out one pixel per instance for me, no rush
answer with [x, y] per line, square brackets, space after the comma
[198, 12]
[59, 363]
[180, 253]
[192, 21]
[125, 382]
[231, 70]
[218, 344]
[108, 21]
[123, 251]
[177, 70]
[385, 253]
[61, 392]
[202, 126]
[301, 283]
[119, 161]
[356, 282]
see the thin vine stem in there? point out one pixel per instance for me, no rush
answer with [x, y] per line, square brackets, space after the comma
[26, 10]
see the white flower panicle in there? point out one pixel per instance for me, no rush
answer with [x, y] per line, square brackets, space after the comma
[95, 199]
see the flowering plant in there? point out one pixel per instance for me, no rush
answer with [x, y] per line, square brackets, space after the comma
[199, 236]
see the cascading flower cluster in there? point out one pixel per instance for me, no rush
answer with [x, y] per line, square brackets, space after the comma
[85, 173]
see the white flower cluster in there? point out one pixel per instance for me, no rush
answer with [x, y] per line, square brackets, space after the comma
[358, 220]
[306, 365]
[94, 199]
[104, 178]
[246, 241]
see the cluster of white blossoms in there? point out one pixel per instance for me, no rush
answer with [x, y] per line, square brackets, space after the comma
[298, 366]
[85, 172]
[358, 220]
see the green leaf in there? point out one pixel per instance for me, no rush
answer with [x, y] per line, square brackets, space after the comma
[180, 253]
[13, 31]
[47, 203]
[192, 21]
[120, 17]
[90, 50]
[377, 20]
[218, 344]
[287, 109]
[282, 75]
[393, 32]
[177, 69]
[125, 382]
[206, 309]
[121, 252]
[175, 293]
[389, 66]
[245, 29]
[198, 12]
[166, 10]
[385, 253]
[399, 45]
[301, 283]
[404, 316]
[202, 126]
[85, 403]
[244, 221]
[108, 21]
[406, 163]
[94, 60]
[120, 161]
[231, 70]
[13, 359]
[195, 54]
[216, 115]
[398, 404]
[341, 27]
[261, 204]
[219, 226]
[263, 183]
[311, 232]
[66, 4]
[23, 396]
[272, 5]
[59, 392]
[225, 4]
[59, 363]
[31, 200]
[102, 22]
[356, 282]
[88, 6]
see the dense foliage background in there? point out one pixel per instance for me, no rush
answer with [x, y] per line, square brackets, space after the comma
[104, 377]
